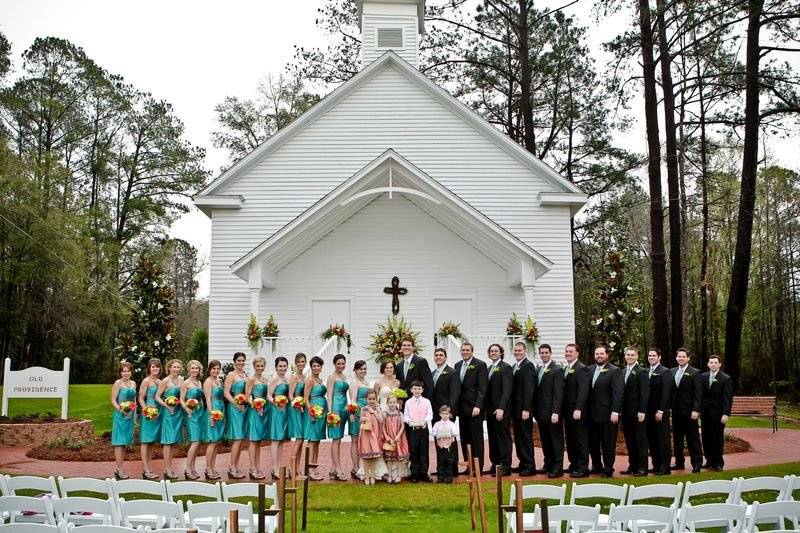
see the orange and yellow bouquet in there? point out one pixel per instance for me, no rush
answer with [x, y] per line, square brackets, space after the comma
[298, 402]
[280, 401]
[258, 404]
[240, 399]
[150, 412]
[127, 407]
[172, 401]
[217, 415]
[315, 411]
[353, 408]
[333, 419]
[192, 403]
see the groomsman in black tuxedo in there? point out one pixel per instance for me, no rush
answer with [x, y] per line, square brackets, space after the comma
[498, 414]
[549, 400]
[413, 368]
[577, 382]
[445, 390]
[658, 412]
[635, 397]
[685, 412]
[605, 404]
[715, 390]
[522, 408]
[473, 376]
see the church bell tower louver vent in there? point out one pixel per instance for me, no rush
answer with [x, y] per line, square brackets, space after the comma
[390, 25]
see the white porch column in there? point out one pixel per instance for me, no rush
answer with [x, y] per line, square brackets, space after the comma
[528, 283]
[254, 282]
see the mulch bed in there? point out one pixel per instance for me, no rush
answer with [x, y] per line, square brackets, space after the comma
[100, 449]
[47, 418]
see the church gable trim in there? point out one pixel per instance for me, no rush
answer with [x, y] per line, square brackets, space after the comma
[361, 188]
[440, 95]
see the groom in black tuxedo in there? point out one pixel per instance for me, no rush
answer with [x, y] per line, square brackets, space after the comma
[474, 379]
[413, 368]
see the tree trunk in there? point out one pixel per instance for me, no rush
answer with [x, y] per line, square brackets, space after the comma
[657, 256]
[525, 82]
[737, 295]
[704, 281]
[673, 186]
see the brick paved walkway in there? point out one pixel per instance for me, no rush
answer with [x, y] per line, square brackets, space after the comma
[768, 448]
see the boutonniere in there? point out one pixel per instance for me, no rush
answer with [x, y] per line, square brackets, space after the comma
[546, 370]
[471, 367]
[713, 380]
[496, 369]
[654, 374]
[604, 370]
[445, 372]
[411, 366]
[571, 371]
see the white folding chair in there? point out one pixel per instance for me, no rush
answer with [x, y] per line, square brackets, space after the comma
[103, 529]
[27, 509]
[155, 514]
[774, 514]
[774, 484]
[642, 517]
[729, 488]
[250, 490]
[666, 491]
[79, 510]
[156, 490]
[792, 485]
[85, 484]
[217, 514]
[616, 494]
[693, 517]
[182, 489]
[15, 484]
[577, 517]
[533, 492]
[31, 528]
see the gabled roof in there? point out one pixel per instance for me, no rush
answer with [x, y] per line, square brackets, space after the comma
[425, 192]
[390, 58]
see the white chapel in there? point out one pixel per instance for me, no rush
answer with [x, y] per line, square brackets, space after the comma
[388, 176]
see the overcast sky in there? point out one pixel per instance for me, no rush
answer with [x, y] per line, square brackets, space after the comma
[194, 53]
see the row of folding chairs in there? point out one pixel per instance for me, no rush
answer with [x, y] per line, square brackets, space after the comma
[114, 504]
[675, 496]
[644, 517]
[67, 528]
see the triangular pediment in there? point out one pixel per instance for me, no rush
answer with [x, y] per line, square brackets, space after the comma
[390, 174]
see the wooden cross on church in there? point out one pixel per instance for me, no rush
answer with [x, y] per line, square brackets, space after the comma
[396, 291]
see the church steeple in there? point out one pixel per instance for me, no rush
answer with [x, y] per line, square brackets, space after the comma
[390, 25]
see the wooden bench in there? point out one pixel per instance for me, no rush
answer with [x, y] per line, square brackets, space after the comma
[756, 406]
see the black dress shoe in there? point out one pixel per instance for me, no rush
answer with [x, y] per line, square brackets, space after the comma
[696, 470]
[525, 472]
[627, 471]
[540, 471]
[663, 473]
[607, 473]
[640, 473]
[463, 472]
[507, 472]
[596, 471]
[516, 469]
[579, 473]
[716, 469]
[706, 465]
[677, 466]
[553, 475]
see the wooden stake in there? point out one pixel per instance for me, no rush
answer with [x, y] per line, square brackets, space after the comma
[499, 475]
[520, 509]
[294, 494]
[471, 484]
[479, 491]
[233, 521]
[305, 488]
[262, 505]
[282, 499]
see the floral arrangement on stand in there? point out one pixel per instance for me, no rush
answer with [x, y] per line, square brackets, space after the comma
[530, 333]
[449, 328]
[336, 330]
[270, 329]
[514, 326]
[253, 334]
[385, 345]
[615, 326]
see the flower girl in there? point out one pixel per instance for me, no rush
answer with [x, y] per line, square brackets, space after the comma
[370, 442]
[395, 444]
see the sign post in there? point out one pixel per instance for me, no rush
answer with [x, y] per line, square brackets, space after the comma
[36, 382]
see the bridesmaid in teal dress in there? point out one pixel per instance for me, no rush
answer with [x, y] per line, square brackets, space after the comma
[337, 399]
[294, 426]
[168, 397]
[192, 389]
[123, 398]
[314, 428]
[276, 428]
[257, 419]
[150, 429]
[236, 424]
[215, 429]
[358, 396]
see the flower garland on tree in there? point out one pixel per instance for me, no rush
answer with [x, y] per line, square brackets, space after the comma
[449, 328]
[615, 320]
[386, 343]
[152, 331]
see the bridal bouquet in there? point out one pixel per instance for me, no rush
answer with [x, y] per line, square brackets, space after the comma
[280, 401]
[333, 419]
[400, 394]
[258, 404]
[315, 412]
[150, 412]
[298, 402]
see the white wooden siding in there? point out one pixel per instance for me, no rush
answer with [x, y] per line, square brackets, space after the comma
[388, 112]
[389, 16]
